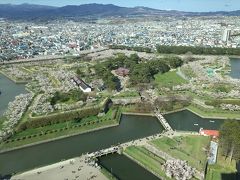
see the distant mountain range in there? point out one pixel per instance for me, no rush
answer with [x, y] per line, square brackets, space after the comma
[30, 11]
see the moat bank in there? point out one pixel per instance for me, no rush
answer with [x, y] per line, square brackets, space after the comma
[130, 128]
[122, 167]
[9, 90]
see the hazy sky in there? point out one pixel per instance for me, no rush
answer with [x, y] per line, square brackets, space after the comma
[185, 5]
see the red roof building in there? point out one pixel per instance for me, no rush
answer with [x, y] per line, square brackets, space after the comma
[205, 132]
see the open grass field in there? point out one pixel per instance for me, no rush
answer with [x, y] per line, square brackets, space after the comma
[189, 148]
[148, 160]
[223, 166]
[169, 79]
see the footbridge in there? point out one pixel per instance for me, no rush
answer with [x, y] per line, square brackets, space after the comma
[103, 152]
[163, 121]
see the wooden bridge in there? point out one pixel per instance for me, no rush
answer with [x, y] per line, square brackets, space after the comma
[163, 121]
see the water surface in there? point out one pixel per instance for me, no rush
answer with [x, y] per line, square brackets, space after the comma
[235, 68]
[9, 90]
[130, 128]
[124, 168]
[188, 121]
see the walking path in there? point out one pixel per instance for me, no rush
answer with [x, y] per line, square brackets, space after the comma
[158, 152]
[149, 96]
[201, 103]
[83, 168]
[181, 74]
[163, 121]
[71, 169]
[103, 152]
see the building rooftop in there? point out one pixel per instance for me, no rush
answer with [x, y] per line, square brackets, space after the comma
[206, 132]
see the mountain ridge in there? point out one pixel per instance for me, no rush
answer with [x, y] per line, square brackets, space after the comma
[34, 11]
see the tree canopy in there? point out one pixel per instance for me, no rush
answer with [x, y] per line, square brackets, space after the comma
[103, 70]
[230, 139]
[140, 71]
[61, 97]
[144, 72]
[197, 50]
[136, 48]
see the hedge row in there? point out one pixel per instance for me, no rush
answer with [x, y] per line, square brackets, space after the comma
[56, 130]
[218, 102]
[42, 121]
[197, 50]
[117, 114]
[212, 110]
[57, 118]
[136, 48]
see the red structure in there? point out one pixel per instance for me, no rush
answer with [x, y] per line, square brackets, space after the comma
[205, 132]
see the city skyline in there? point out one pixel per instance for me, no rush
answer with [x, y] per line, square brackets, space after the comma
[182, 5]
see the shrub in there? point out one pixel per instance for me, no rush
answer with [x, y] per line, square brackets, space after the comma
[58, 118]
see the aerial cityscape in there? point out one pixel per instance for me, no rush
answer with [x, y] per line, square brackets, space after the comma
[99, 90]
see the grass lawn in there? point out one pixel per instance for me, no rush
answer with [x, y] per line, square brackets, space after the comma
[189, 148]
[222, 166]
[2, 119]
[169, 79]
[214, 113]
[146, 159]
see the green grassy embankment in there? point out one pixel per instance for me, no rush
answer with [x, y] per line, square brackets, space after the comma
[213, 113]
[189, 148]
[146, 159]
[60, 130]
[169, 79]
